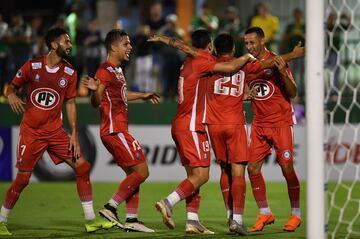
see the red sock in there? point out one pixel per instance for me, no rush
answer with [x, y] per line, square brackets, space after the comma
[185, 189]
[132, 202]
[293, 188]
[127, 187]
[13, 193]
[238, 190]
[225, 189]
[259, 189]
[193, 202]
[83, 183]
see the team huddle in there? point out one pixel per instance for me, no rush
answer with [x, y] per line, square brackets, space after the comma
[211, 90]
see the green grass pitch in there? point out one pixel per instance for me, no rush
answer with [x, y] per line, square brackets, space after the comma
[53, 210]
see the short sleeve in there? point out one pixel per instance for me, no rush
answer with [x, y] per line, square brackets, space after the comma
[71, 90]
[22, 75]
[102, 76]
[205, 63]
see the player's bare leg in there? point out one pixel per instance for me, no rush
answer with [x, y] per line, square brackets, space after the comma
[82, 171]
[11, 197]
[238, 191]
[265, 216]
[293, 185]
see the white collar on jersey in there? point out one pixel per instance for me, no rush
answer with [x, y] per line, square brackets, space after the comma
[52, 70]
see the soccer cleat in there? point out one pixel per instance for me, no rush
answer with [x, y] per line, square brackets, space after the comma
[292, 223]
[261, 221]
[134, 225]
[3, 230]
[237, 228]
[98, 224]
[166, 213]
[110, 214]
[195, 227]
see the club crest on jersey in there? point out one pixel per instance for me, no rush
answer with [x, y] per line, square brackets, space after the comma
[68, 70]
[265, 89]
[36, 65]
[287, 154]
[18, 74]
[63, 82]
[45, 98]
[268, 72]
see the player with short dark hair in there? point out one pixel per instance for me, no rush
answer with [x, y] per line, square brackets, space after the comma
[111, 96]
[272, 126]
[50, 80]
[187, 128]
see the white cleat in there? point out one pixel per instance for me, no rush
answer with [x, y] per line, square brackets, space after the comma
[195, 227]
[134, 225]
[110, 214]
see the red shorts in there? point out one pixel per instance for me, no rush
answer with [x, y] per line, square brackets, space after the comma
[193, 148]
[263, 138]
[31, 147]
[229, 143]
[124, 148]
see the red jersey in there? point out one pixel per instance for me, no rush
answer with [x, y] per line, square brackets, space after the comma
[113, 105]
[46, 90]
[191, 102]
[224, 98]
[272, 106]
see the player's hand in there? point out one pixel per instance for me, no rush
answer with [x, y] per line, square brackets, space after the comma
[280, 64]
[154, 38]
[90, 83]
[74, 146]
[251, 94]
[251, 57]
[16, 104]
[299, 51]
[152, 97]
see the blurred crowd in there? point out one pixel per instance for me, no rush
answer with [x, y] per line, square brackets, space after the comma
[153, 67]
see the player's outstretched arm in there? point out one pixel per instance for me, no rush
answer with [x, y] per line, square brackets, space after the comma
[97, 89]
[150, 96]
[297, 52]
[289, 82]
[176, 43]
[234, 65]
[74, 146]
[16, 104]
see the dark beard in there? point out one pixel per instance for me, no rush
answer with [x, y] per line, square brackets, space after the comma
[61, 53]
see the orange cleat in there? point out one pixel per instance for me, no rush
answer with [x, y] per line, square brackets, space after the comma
[293, 223]
[261, 221]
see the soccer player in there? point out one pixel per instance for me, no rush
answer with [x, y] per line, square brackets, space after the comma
[50, 80]
[110, 93]
[272, 127]
[187, 129]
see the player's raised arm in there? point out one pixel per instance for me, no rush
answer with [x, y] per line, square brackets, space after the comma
[150, 96]
[297, 52]
[289, 82]
[97, 89]
[176, 43]
[234, 65]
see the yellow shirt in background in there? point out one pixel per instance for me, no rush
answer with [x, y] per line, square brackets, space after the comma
[269, 24]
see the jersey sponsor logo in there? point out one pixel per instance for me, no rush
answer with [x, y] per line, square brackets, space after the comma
[63, 82]
[68, 70]
[36, 65]
[45, 98]
[18, 74]
[287, 154]
[265, 89]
